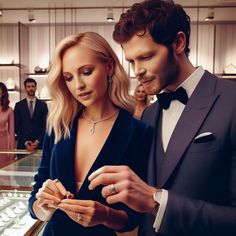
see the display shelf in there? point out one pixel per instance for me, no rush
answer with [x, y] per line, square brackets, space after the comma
[45, 99]
[231, 76]
[10, 65]
[15, 90]
[37, 75]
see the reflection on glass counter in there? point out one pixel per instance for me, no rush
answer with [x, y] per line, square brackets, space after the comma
[19, 173]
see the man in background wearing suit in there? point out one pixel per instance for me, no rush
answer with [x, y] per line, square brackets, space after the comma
[191, 188]
[30, 119]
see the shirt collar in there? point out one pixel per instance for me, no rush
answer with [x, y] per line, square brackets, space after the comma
[28, 100]
[192, 81]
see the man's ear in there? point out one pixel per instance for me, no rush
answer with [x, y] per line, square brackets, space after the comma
[180, 43]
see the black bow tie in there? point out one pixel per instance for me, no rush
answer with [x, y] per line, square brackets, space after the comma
[165, 99]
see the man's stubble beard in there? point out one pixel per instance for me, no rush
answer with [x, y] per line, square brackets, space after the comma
[170, 73]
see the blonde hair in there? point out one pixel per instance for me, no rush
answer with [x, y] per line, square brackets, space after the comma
[146, 101]
[64, 106]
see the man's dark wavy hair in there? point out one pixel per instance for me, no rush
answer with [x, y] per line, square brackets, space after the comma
[30, 80]
[163, 19]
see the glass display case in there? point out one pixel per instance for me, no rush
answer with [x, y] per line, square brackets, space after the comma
[16, 181]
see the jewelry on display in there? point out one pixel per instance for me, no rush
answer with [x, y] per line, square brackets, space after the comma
[112, 188]
[17, 210]
[10, 212]
[1, 223]
[79, 217]
[92, 130]
[21, 205]
[13, 212]
[4, 217]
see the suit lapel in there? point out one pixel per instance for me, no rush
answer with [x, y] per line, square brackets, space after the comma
[36, 107]
[26, 108]
[194, 114]
[152, 118]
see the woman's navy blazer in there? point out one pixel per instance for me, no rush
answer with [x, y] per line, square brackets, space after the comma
[127, 144]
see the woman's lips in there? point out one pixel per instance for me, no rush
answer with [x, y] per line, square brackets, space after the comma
[84, 95]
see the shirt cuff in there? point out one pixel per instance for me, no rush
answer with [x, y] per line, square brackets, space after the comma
[162, 198]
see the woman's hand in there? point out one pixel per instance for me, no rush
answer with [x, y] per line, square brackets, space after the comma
[90, 213]
[48, 197]
[85, 212]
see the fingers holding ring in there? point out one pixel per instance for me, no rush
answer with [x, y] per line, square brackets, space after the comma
[112, 188]
[56, 181]
[79, 217]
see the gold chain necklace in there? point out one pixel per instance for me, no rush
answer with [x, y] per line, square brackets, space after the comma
[92, 130]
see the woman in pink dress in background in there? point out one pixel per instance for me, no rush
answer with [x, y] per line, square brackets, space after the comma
[7, 131]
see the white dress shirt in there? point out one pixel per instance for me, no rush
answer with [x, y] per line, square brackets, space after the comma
[170, 118]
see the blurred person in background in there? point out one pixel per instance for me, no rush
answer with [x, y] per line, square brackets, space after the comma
[30, 119]
[7, 132]
[141, 101]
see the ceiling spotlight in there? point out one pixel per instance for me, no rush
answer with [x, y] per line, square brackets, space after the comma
[0, 12]
[110, 15]
[31, 17]
[210, 15]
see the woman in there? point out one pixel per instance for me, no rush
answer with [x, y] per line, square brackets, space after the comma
[90, 124]
[7, 133]
[141, 101]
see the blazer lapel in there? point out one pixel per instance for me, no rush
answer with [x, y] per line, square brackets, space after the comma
[65, 152]
[36, 109]
[194, 114]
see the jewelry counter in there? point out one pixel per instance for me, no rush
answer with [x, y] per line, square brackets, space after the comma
[16, 181]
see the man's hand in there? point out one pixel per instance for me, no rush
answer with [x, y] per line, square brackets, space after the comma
[35, 144]
[123, 185]
[29, 146]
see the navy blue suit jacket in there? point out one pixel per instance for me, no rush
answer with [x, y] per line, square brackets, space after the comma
[199, 176]
[28, 128]
[127, 144]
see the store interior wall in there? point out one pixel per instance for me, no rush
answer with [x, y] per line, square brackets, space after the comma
[212, 44]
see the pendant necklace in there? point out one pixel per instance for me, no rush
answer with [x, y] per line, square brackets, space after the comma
[92, 130]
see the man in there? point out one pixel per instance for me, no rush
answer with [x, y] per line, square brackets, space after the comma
[191, 186]
[30, 119]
